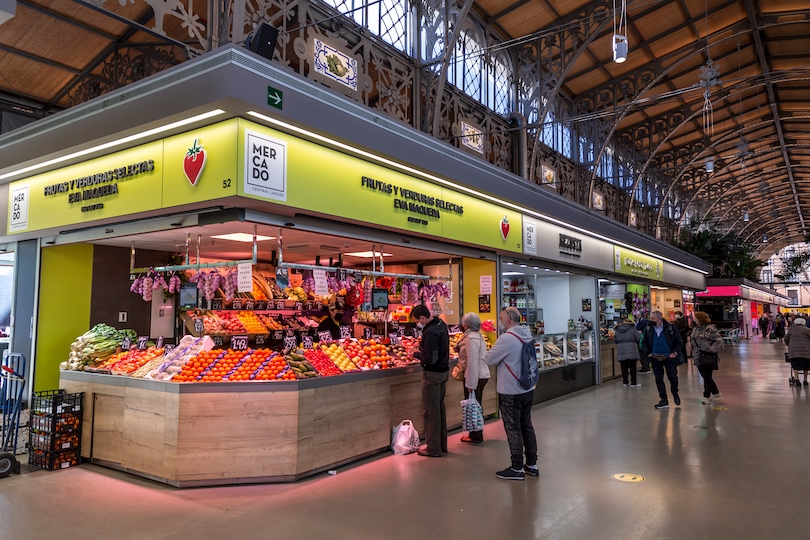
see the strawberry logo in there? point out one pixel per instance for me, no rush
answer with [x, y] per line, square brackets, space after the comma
[505, 227]
[194, 162]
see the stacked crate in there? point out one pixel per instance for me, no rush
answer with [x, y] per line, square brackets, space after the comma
[55, 430]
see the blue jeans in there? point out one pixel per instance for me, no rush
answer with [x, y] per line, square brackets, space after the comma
[670, 365]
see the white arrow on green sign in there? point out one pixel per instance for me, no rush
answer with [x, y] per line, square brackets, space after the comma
[274, 97]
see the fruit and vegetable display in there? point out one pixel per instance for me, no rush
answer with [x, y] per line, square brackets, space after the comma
[95, 346]
[127, 362]
[338, 355]
[299, 365]
[321, 362]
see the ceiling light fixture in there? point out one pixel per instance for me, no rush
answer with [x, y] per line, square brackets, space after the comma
[709, 164]
[368, 254]
[242, 237]
[745, 216]
[513, 274]
[112, 144]
[620, 45]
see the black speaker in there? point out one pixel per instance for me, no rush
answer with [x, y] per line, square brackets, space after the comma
[263, 41]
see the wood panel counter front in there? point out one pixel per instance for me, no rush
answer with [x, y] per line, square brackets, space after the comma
[206, 434]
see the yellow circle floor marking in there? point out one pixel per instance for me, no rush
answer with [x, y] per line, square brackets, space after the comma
[629, 477]
[716, 408]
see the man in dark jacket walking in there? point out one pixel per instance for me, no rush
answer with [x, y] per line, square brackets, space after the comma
[434, 355]
[663, 345]
[641, 325]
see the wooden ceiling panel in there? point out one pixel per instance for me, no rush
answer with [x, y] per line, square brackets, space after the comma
[28, 79]
[660, 21]
[672, 42]
[528, 19]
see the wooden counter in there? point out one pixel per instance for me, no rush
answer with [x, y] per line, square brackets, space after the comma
[206, 434]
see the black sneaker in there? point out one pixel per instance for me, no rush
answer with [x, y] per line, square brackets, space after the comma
[625, 384]
[531, 470]
[662, 405]
[510, 474]
[677, 399]
[644, 371]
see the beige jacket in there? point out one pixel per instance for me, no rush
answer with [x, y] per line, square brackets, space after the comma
[471, 351]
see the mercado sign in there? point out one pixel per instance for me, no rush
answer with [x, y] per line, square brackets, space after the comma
[633, 263]
[242, 158]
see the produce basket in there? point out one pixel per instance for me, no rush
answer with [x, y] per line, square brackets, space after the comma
[52, 461]
[55, 442]
[56, 423]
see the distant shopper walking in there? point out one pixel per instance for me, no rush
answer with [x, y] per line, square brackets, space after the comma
[779, 328]
[472, 350]
[706, 342]
[514, 402]
[627, 351]
[641, 325]
[763, 325]
[798, 342]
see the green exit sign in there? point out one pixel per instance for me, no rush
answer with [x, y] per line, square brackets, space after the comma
[275, 97]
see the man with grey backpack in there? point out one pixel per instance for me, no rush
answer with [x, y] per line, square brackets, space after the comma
[517, 378]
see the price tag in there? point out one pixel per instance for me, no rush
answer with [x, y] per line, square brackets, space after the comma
[142, 342]
[299, 306]
[261, 305]
[319, 306]
[237, 303]
[308, 342]
[345, 332]
[290, 342]
[260, 340]
[342, 274]
[324, 336]
[367, 333]
[309, 305]
[199, 325]
[169, 348]
[159, 343]
[455, 329]
[278, 335]
[279, 304]
[394, 338]
[290, 333]
[216, 303]
[249, 305]
[218, 341]
[239, 343]
[126, 343]
[401, 331]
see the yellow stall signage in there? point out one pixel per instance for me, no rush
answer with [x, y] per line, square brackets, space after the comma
[242, 158]
[633, 263]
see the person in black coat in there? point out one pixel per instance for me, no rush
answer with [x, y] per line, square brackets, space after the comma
[663, 346]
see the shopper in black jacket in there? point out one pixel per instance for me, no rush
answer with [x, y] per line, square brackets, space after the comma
[662, 344]
[434, 355]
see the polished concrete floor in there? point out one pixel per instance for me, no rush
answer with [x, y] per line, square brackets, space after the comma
[732, 471]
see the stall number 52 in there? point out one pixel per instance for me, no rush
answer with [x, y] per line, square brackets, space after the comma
[226, 183]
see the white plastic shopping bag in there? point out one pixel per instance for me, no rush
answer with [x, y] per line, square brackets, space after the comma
[404, 438]
[472, 414]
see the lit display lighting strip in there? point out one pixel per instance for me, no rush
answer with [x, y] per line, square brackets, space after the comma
[458, 187]
[113, 144]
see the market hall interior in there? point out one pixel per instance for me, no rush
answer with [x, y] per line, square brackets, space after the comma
[732, 469]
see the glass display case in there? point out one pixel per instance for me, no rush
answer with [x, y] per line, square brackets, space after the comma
[579, 346]
[554, 350]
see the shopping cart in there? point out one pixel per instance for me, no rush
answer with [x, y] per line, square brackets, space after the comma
[12, 386]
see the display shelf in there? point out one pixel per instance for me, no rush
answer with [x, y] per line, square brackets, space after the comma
[518, 293]
[579, 344]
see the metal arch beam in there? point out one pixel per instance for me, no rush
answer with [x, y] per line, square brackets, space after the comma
[687, 166]
[725, 138]
[762, 220]
[690, 51]
[450, 46]
[766, 70]
[783, 241]
[98, 60]
[758, 175]
[737, 29]
[566, 65]
[507, 10]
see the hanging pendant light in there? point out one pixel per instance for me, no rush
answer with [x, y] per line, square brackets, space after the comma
[620, 44]
[745, 216]
[709, 164]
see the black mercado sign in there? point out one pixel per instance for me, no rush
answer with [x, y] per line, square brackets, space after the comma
[570, 245]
